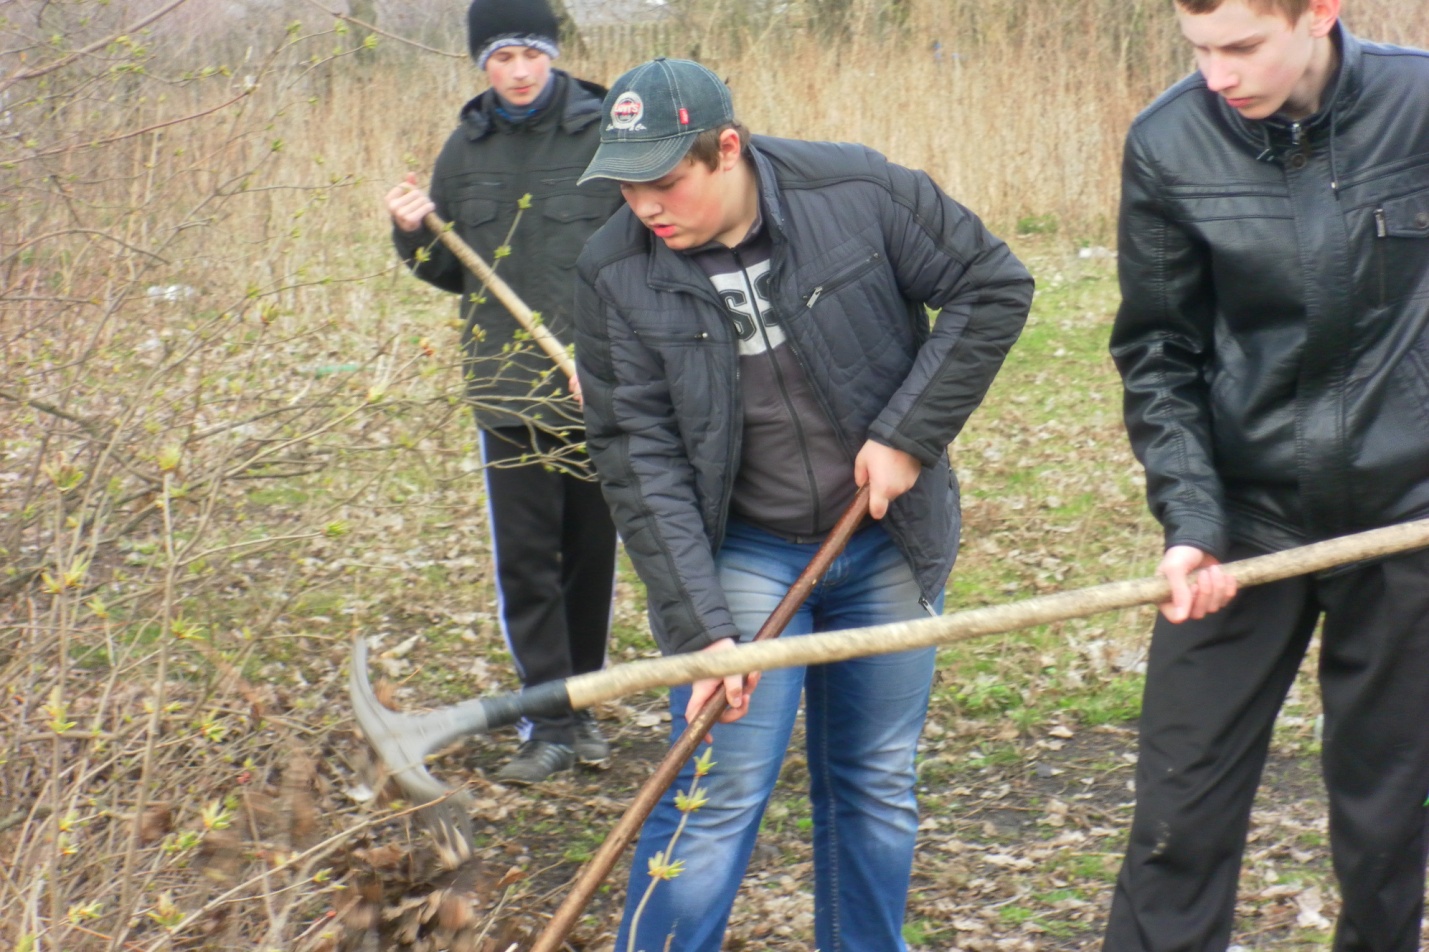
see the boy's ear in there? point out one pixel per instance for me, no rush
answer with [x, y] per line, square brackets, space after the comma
[730, 148]
[1324, 14]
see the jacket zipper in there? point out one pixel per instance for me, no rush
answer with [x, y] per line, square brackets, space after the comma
[680, 339]
[736, 434]
[1381, 230]
[844, 279]
[777, 265]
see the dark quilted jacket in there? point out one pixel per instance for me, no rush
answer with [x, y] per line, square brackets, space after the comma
[484, 169]
[860, 245]
[1274, 330]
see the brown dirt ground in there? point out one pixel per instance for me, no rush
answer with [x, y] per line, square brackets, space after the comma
[1017, 851]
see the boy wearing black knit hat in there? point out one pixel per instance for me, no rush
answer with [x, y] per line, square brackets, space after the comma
[507, 177]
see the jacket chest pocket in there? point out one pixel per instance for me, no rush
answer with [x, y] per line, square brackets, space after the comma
[1401, 247]
[567, 220]
[658, 335]
[841, 279]
[475, 216]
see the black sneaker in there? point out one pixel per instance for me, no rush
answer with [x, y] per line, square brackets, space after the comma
[590, 745]
[536, 760]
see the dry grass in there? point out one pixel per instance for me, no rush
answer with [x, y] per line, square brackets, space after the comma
[228, 423]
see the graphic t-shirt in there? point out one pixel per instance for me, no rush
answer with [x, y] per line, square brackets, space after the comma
[795, 476]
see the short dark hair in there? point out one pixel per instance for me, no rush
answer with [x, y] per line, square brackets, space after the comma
[705, 148]
[1292, 10]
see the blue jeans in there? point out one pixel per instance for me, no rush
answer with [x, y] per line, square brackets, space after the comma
[862, 722]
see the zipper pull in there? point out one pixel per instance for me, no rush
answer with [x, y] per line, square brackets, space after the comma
[814, 296]
[1381, 226]
[1295, 133]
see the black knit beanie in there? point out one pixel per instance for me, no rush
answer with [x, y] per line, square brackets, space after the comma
[492, 24]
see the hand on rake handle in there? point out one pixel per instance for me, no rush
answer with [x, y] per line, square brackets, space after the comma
[574, 381]
[887, 472]
[408, 204]
[738, 689]
[1194, 597]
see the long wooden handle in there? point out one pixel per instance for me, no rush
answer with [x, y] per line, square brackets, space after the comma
[587, 689]
[553, 937]
[493, 281]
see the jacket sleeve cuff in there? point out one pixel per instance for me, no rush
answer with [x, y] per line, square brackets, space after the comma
[1208, 534]
[701, 640]
[407, 242]
[888, 436]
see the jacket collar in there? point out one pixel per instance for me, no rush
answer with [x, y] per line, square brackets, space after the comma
[1271, 136]
[673, 268]
[769, 204]
[574, 105]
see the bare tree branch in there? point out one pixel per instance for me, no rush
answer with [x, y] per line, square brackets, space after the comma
[348, 18]
[99, 44]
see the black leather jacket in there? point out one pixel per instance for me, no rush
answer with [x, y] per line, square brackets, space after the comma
[484, 169]
[1274, 328]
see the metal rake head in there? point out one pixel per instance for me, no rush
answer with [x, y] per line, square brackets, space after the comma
[402, 743]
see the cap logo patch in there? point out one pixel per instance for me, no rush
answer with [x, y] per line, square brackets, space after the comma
[627, 112]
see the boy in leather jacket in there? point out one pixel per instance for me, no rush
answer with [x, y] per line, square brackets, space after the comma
[1273, 340]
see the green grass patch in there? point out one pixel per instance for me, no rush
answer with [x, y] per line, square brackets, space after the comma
[279, 495]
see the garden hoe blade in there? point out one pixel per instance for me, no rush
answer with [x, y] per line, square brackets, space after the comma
[402, 743]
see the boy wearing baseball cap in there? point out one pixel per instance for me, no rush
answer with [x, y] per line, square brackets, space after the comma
[530, 134]
[753, 345]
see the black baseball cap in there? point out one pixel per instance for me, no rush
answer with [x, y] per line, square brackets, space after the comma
[652, 115]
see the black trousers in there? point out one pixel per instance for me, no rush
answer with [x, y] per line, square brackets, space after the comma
[554, 548]
[1213, 689]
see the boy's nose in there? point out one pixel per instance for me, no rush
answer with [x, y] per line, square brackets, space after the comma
[1219, 77]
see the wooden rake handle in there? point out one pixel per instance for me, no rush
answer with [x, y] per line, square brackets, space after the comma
[523, 314]
[553, 937]
[583, 690]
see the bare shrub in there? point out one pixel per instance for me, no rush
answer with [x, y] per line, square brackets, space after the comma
[210, 396]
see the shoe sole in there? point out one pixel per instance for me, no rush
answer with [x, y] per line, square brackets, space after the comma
[523, 782]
